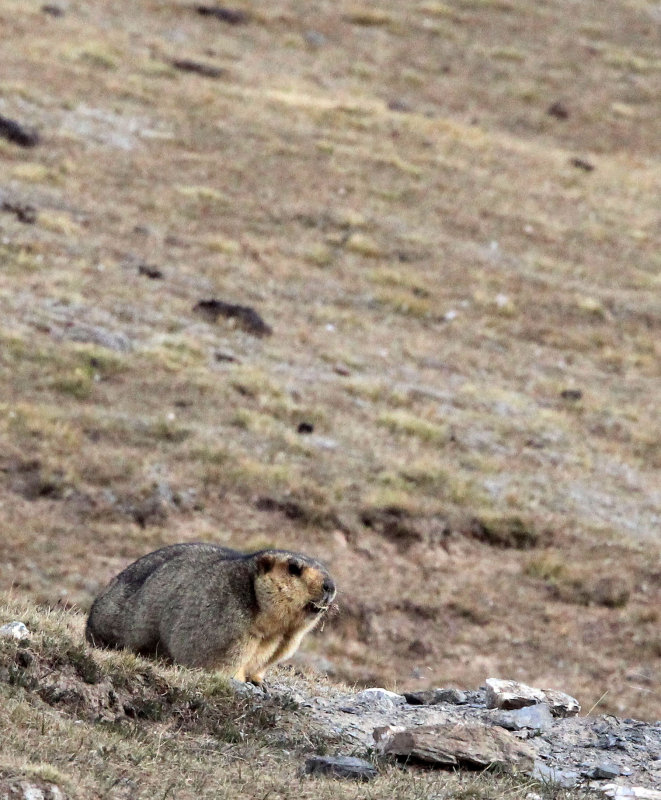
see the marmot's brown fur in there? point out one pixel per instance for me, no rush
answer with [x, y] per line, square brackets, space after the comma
[202, 605]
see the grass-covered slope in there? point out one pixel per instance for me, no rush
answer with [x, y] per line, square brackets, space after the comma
[448, 215]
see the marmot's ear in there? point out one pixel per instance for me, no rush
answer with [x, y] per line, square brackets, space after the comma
[265, 562]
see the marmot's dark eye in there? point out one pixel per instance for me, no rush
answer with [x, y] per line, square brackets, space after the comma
[295, 568]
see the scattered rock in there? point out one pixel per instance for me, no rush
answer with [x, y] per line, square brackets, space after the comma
[52, 10]
[246, 317]
[245, 688]
[581, 163]
[17, 133]
[206, 70]
[374, 699]
[536, 718]
[149, 271]
[22, 211]
[376, 694]
[432, 697]
[219, 355]
[630, 792]
[14, 630]
[558, 110]
[471, 745]
[341, 767]
[21, 789]
[305, 427]
[233, 16]
[510, 694]
[566, 778]
[458, 736]
[604, 770]
[571, 394]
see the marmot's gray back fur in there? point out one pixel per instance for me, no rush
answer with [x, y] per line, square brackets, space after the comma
[202, 605]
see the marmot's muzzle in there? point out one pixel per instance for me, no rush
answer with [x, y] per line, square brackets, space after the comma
[321, 605]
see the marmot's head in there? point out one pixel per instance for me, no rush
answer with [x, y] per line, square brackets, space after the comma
[297, 589]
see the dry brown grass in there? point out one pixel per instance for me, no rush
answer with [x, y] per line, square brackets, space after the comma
[394, 199]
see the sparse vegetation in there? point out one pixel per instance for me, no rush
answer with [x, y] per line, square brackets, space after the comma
[88, 720]
[463, 289]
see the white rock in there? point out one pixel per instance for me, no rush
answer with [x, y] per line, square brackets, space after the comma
[374, 700]
[377, 695]
[31, 792]
[511, 694]
[14, 630]
[625, 792]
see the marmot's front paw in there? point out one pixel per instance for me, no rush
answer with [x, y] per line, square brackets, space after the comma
[257, 680]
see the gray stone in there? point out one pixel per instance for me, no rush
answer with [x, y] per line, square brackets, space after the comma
[458, 744]
[430, 697]
[14, 630]
[375, 700]
[603, 771]
[31, 792]
[566, 778]
[537, 718]
[511, 694]
[341, 767]
[247, 689]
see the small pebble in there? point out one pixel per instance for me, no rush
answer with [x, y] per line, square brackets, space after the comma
[603, 771]
[341, 767]
[14, 630]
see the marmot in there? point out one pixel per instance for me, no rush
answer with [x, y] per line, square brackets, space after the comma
[202, 605]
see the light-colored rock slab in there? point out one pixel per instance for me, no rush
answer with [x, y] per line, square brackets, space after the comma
[462, 744]
[511, 694]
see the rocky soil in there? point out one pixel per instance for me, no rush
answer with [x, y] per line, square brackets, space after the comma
[573, 751]
[505, 725]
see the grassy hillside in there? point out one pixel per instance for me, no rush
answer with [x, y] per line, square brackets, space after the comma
[448, 215]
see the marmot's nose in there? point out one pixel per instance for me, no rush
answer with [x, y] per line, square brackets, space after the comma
[329, 588]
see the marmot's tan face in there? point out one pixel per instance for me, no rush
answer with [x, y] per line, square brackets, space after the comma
[297, 586]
